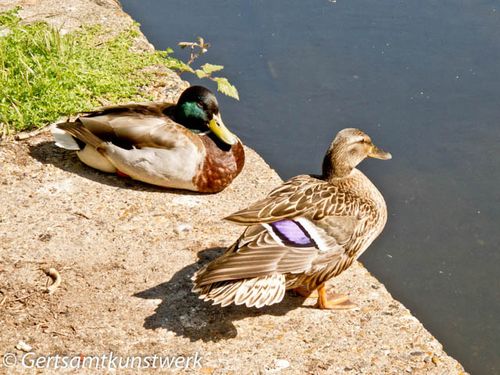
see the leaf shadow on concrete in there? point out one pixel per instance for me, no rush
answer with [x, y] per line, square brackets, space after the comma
[183, 313]
[49, 153]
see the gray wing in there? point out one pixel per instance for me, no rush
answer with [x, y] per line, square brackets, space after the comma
[138, 126]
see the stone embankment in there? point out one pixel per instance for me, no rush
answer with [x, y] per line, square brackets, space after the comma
[125, 253]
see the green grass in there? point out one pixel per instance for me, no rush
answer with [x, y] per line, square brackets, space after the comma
[44, 75]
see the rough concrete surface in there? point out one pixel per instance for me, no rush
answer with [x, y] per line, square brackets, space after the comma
[126, 251]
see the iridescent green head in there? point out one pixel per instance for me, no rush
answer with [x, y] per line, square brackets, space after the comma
[198, 110]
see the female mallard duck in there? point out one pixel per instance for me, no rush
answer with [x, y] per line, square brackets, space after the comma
[305, 232]
[184, 145]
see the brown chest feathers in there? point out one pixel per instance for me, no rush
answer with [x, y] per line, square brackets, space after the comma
[219, 167]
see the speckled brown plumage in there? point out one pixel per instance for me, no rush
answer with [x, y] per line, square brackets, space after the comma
[303, 233]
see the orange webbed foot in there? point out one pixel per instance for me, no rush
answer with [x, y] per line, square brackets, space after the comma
[333, 301]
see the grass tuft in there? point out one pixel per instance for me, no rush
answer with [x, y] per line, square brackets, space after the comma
[44, 75]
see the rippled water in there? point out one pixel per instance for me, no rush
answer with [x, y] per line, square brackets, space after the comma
[423, 79]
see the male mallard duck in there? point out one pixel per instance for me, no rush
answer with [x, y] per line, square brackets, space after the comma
[184, 145]
[305, 232]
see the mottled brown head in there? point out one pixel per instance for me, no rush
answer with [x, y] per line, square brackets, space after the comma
[349, 148]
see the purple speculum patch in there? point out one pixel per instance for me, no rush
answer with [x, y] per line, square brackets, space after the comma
[292, 233]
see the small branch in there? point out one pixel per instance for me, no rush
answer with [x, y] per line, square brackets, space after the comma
[56, 277]
[23, 298]
[59, 333]
[194, 54]
[25, 135]
[4, 297]
[81, 215]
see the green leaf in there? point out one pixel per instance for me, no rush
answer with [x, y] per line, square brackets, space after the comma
[226, 88]
[200, 73]
[210, 68]
[178, 65]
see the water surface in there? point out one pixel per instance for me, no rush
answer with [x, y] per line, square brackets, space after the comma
[422, 78]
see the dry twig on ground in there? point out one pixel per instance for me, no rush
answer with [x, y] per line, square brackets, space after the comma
[56, 277]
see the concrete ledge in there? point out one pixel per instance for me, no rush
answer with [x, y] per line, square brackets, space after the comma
[126, 251]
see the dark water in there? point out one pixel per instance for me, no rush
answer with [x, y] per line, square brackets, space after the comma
[423, 79]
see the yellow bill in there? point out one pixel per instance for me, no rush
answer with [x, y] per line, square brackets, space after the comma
[219, 129]
[377, 153]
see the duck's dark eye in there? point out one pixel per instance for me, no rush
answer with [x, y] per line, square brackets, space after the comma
[199, 105]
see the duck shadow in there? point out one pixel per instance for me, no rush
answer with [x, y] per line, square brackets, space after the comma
[182, 312]
[67, 160]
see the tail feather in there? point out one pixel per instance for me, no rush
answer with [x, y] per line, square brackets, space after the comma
[77, 130]
[258, 291]
[63, 139]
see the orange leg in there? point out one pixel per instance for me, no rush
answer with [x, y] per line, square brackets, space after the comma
[334, 302]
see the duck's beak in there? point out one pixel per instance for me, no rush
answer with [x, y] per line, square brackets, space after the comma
[377, 153]
[219, 129]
